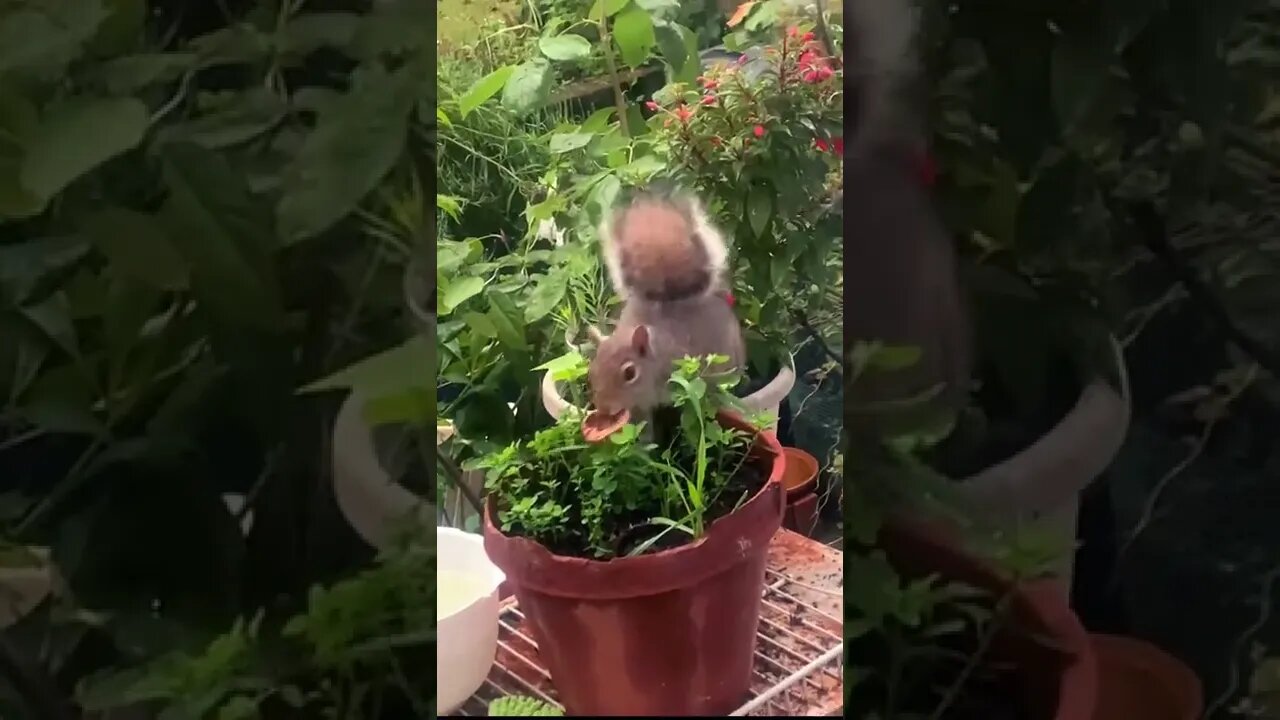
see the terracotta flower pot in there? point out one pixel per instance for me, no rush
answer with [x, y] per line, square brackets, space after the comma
[801, 483]
[1138, 681]
[1049, 649]
[668, 633]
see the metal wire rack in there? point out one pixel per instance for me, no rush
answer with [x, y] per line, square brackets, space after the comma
[798, 666]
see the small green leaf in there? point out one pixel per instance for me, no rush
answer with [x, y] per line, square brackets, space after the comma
[309, 32]
[480, 324]
[77, 136]
[545, 296]
[672, 46]
[458, 292]
[603, 195]
[395, 370]
[529, 86]
[606, 8]
[508, 320]
[131, 73]
[759, 207]
[242, 118]
[634, 33]
[565, 367]
[484, 88]
[566, 142]
[564, 47]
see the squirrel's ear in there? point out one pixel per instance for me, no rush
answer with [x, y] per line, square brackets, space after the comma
[640, 339]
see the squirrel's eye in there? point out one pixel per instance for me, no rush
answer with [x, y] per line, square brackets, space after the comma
[629, 373]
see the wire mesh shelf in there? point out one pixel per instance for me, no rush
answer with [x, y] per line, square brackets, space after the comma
[798, 664]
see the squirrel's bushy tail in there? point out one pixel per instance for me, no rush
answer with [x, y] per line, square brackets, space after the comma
[881, 63]
[663, 249]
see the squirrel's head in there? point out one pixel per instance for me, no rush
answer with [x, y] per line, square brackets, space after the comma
[623, 375]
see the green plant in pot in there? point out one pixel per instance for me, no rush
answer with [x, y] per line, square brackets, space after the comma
[648, 553]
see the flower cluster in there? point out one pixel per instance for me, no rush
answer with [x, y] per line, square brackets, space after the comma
[799, 86]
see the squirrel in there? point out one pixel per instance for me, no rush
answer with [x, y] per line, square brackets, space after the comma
[902, 278]
[668, 263]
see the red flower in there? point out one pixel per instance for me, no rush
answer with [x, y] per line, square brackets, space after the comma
[758, 131]
[821, 144]
[807, 37]
[838, 143]
[793, 31]
[708, 99]
[652, 105]
[814, 68]
[728, 297]
[710, 84]
[684, 113]
[742, 60]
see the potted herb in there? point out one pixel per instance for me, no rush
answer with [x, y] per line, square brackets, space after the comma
[640, 565]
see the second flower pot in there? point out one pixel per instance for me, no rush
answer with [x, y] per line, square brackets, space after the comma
[672, 633]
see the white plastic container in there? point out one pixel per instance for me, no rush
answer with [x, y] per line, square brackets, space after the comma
[466, 639]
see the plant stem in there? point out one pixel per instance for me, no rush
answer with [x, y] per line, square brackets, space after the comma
[620, 102]
[454, 473]
[984, 644]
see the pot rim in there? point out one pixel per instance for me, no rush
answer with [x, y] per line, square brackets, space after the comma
[1059, 465]
[729, 539]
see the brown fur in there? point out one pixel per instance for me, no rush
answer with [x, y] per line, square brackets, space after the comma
[668, 261]
[661, 256]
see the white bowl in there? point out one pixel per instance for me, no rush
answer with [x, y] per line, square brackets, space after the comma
[467, 639]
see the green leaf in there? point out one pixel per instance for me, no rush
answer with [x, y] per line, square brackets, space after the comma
[529, 86]
[136, 247]
[309, 32]
[484, 88]
[459, 291]
[388, 372]
[671, 44]
[397, 384]
[122, 29]
[759, 207]
[603, 195]
[606, 8]
[244, 117]
[131, 73]
[224, 234]
[565, 367]
[546, 295]
[39, 44]
[508, 320]
[77, 136]
[634, 34]
[355, 143]
[566, 142]
[565, 47]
